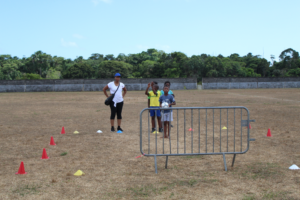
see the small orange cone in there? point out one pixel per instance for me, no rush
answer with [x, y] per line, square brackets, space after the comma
[44, 155]
[191, 129]
[63, 130]
[250, 126]
[52, 141]
[269, 133]
[21, 169]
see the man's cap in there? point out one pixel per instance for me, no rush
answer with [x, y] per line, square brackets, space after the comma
[117, 74]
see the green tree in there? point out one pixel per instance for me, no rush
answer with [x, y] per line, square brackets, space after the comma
[108, 68]
[79, 71]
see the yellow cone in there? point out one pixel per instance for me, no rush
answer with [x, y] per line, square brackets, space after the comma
[76, 132]
[224, 128]
[155, 132]
[79, 173]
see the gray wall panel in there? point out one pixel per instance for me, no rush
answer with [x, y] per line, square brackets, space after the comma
[15, 88]
[250, 83]
[234, 85]
[39, 88]
[68, 88]
[75, 85]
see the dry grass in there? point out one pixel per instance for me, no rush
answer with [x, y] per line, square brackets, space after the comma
[28, 120]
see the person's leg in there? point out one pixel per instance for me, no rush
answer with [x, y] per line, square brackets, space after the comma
[158, 114]
[168, 126]
[165, 129]
[153, 121]
[119, 114]
[159, 122]
[112, 115]
[152, 115]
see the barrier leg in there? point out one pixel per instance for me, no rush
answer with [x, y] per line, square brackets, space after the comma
[225, 165]
[166, 162]
[155, 163]
[233, 160]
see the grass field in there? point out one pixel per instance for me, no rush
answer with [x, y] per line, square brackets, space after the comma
[28, 120]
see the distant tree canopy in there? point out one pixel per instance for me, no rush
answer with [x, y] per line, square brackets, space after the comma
[148, 64]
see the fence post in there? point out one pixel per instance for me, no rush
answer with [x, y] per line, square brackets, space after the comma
[225, 164]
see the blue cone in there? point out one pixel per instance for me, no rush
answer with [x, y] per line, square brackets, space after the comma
[119, 131]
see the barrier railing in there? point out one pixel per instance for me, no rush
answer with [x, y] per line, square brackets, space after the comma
[198, 131]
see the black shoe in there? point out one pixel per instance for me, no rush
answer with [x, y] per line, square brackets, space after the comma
[119, 129]
[172, 125]
[112, 129]
[160, 130]
[153, 130]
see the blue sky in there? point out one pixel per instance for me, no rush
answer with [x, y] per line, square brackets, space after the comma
[71, 28]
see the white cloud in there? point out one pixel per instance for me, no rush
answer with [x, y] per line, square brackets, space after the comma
[68, 44]
[96, 2]
[78, 36]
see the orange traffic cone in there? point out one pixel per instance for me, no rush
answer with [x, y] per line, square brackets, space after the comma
[21, 169]
[63, 130]
[269, 133]
[44, 155]
[52, 141]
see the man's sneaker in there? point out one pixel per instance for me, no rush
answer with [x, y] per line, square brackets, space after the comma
[160, 130]
[112, 129]
[119, 129]
[153, 130]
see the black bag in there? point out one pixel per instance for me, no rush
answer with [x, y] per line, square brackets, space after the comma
[111, 97]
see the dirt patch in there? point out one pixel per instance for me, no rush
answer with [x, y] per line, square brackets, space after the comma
[28, 120]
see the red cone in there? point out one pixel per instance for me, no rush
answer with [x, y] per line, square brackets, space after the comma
[21, 169]
[249, 126]
[52, 141]
[269, 133]
[44, 156]
[63, 130]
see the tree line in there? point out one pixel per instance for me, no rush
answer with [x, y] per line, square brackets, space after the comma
[152, 63]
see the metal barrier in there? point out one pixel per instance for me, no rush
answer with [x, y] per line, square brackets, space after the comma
[216, 131]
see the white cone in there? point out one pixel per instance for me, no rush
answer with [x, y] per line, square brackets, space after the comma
[294, 167]
[99, 131]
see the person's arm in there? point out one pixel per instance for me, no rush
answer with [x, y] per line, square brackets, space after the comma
[148, 103]
[154, 90]
[172, 94]
[146, 92]
[173, 102]
[125, 91]
[160, 101]
[104, 90]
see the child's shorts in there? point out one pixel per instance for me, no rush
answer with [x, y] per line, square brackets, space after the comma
[167, 117]
[152, 112]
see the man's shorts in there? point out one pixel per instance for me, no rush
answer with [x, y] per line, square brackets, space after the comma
[152, 112]
[167, 117]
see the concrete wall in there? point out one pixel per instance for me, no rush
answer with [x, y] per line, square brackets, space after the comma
[250, 83]
[71, 85]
